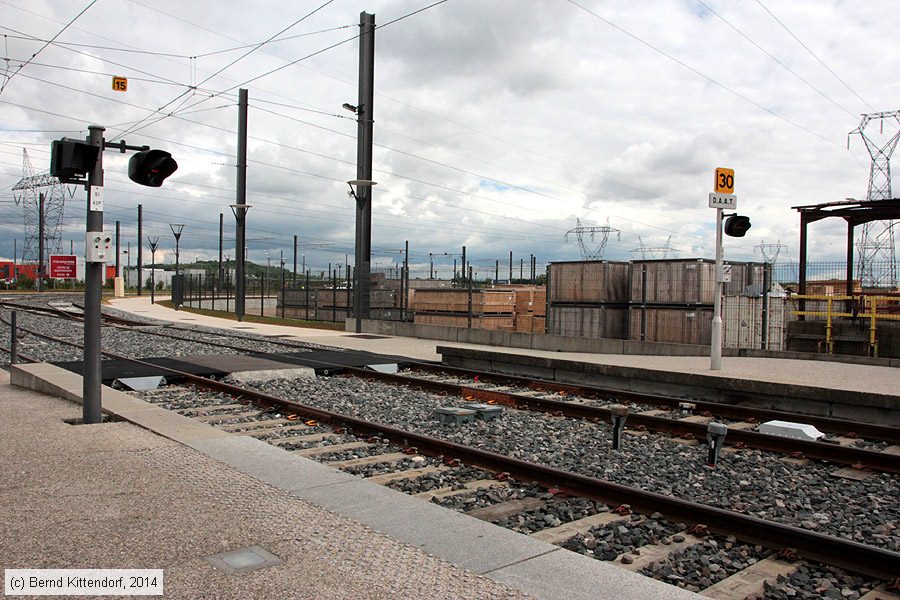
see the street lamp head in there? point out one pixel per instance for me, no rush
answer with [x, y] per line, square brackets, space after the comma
[350, 107]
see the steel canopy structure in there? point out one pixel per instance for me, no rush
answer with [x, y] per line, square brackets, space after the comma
[854, 212]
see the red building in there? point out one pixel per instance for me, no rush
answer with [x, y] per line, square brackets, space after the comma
[10, 271]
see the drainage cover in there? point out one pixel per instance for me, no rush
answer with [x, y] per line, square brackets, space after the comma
[244, 560]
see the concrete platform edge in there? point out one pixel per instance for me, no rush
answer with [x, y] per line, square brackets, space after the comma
[532, 566]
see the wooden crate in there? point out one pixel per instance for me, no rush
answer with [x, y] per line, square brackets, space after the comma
[589, 282]
[671, 325]
[588, 321]
[530, 324]
[457, 301]
[498, 322]
[531, 301]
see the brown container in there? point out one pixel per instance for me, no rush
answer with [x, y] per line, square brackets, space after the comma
[689, 281]
[589, 282]
[588, 321]
[498, 322]
[530, 324]
[531, 301]
[342, 298]
[671, 325]
[457, 301]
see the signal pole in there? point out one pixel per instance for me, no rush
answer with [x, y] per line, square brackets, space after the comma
[93, 282]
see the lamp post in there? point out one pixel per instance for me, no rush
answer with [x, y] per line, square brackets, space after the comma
[177, 228]
[154, 243]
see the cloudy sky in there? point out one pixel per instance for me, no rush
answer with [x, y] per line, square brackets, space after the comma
[498, 123]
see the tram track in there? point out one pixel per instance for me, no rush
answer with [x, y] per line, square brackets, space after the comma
[810, 545]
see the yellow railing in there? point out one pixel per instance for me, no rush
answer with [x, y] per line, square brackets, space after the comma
[869, 311]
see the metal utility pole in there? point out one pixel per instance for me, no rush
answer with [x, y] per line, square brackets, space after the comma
[221, 240]
[40, 273]
[118, 251]
[404, 278]
[154, 242]
[496, 270]
[430, 265]
[294, 280]
[177, 228]
[127, 264]
[240, 207]
[140, 248]
[282, 284]
[93, 282]
[510, 266]
[463, 265]
[365, 119]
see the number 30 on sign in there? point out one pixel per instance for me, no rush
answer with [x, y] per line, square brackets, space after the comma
[120, 84]
[724, 183]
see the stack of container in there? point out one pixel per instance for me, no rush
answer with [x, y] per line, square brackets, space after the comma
[651, 300]
[588, 299]
[490, 309]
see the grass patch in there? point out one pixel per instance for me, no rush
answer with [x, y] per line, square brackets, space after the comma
[248, 318]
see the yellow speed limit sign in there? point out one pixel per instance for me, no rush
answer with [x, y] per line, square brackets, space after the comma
[120, 84]
[724, 183]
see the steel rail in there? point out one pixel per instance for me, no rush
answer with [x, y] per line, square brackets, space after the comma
[847, 554]
[880, 461]
[839, 552]
[840, 426]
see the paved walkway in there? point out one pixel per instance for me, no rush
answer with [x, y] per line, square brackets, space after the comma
[829, 375]
[118, 496]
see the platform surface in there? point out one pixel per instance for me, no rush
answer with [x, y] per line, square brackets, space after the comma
[117, 495]
[827, 375]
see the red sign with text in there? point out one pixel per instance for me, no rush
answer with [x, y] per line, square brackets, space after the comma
[63, 266]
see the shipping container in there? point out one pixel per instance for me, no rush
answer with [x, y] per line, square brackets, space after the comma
[588, 321]
[587, 282]
[690, 281]
[689, 325]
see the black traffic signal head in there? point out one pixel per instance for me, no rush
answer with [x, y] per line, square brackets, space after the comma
[71, 160]
[151, 167]
[737, 225]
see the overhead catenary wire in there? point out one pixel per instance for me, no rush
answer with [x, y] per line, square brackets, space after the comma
[777, 60]
[59, 33]
[701, 74]
[813, 54]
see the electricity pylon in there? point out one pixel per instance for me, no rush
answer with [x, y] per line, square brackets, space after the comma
[602, 232]
[29, 189]
[877, 239]
[650, 252]
[770, 252]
